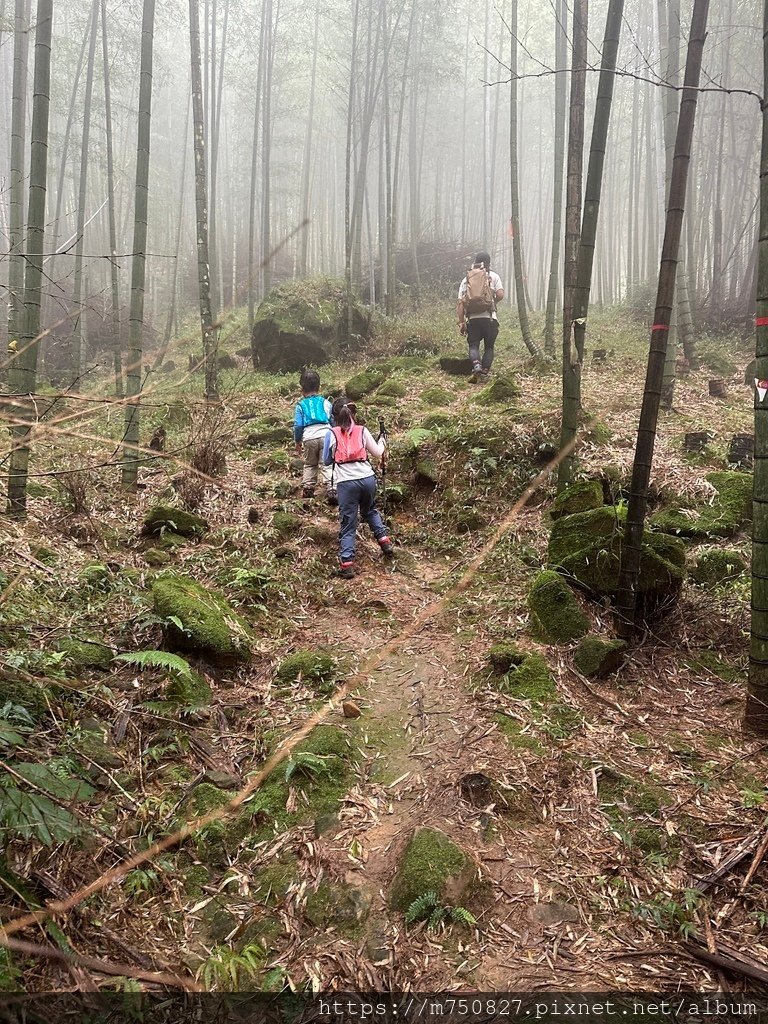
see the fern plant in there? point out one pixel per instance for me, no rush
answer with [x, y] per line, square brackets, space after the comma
[230, 970]
[428, 907]
[305, 763]
[170, 663]
[36, 813]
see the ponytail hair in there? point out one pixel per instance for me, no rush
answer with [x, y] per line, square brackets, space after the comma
[343, 412]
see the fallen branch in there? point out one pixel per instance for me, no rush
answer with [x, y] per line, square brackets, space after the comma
[728, 958]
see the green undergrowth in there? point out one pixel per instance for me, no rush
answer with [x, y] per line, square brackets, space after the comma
[633, 808]
[527, 677]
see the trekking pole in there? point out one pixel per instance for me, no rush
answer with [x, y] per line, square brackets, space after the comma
[383, 433]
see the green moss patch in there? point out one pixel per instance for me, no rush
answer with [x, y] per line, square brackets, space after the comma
[718, 565]
[156, 557]
[729, 513]
[163, 518]
[595, 658]
[436, 397]
[391, 389]
[285, 524]
[579, 497]
[364, 383]
[501, 389]
[587, 547]
[85, 653]
[555, 613]
[316, 668]
[331, 906]
[270, 884]
[625, 802]
[431, 862]
[200, 619]
[190, 690]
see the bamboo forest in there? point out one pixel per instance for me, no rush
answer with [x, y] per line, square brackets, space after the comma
[383, 510]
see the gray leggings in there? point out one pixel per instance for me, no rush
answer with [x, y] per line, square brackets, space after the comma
[485, 329]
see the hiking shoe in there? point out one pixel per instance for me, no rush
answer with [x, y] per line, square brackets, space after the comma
[477, 374]
[332, 498]
[308, 492]
[346, 571]
[387, 547]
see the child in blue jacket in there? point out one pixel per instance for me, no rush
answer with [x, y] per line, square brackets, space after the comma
[311, 423]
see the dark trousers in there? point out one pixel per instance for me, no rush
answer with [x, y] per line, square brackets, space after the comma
[485, 329]
[357, 498]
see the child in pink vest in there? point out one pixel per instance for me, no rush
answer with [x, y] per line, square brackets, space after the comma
[346, 449]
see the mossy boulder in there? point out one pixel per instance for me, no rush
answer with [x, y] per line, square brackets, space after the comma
[528, 678]
[27, 695]
[169, 541]
[317, 668]
[431, 862]
[595, 658]
[307, 323]
[334, 906]
[579, 497]
[501, 389]
[268, 435]
[505, 656]
[364, 383]
[718, 565]
[96, 577]
[86, 653]
[219, 838]
[436, 421]
[391, 389]
[285, 524]
[155, 557]
[730, 511]
[587, 547]
[555, 613]
[436, 397]
[199, 619]
[164, 518]
[270, 883]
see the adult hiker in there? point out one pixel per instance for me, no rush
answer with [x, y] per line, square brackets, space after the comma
[346, 448]
[311, 421]
[479, 293]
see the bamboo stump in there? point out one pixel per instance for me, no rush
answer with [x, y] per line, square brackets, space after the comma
[696, 441]
[717, 388]
[741, 450]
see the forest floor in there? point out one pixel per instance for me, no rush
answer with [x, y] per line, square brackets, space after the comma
[596, 807]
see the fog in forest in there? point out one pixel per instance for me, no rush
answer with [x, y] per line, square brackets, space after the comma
[384, 129]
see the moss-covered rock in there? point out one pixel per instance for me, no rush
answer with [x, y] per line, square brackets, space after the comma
[163, 518]
[268, 435]
[718, 565]
[391, 389]
[270, 883]
[431, 862]
[529, 679]
[307, 323]
[504, 656]
[189, 690]
[436, 396]
[221, 837]
[96, 577]
[195, 877]
[501, 389]
[594, 657]
[363, 383]
[285, 524]
[331, 906]
[587, 547]
[436, 421]
[579, 497]
[317, 668]
[169, 541]
[555, 613]
[155, 557]
[85, 653]
[599, 433]
[209, 624]
[730, 511]
[28, 695]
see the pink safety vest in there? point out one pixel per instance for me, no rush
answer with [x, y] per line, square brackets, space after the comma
[349, 445]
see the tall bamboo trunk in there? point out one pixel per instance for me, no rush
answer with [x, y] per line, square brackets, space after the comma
[646, 434]
[21, 29]
[756, 713]
[561, 93]
[671, 110]
[113, 267]
[79, 333]
[24, 371]
[201, 211]
[139, 250]
[572, 228]
[252, 287]
[586, 253]
[305, 173]
[517, 241]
